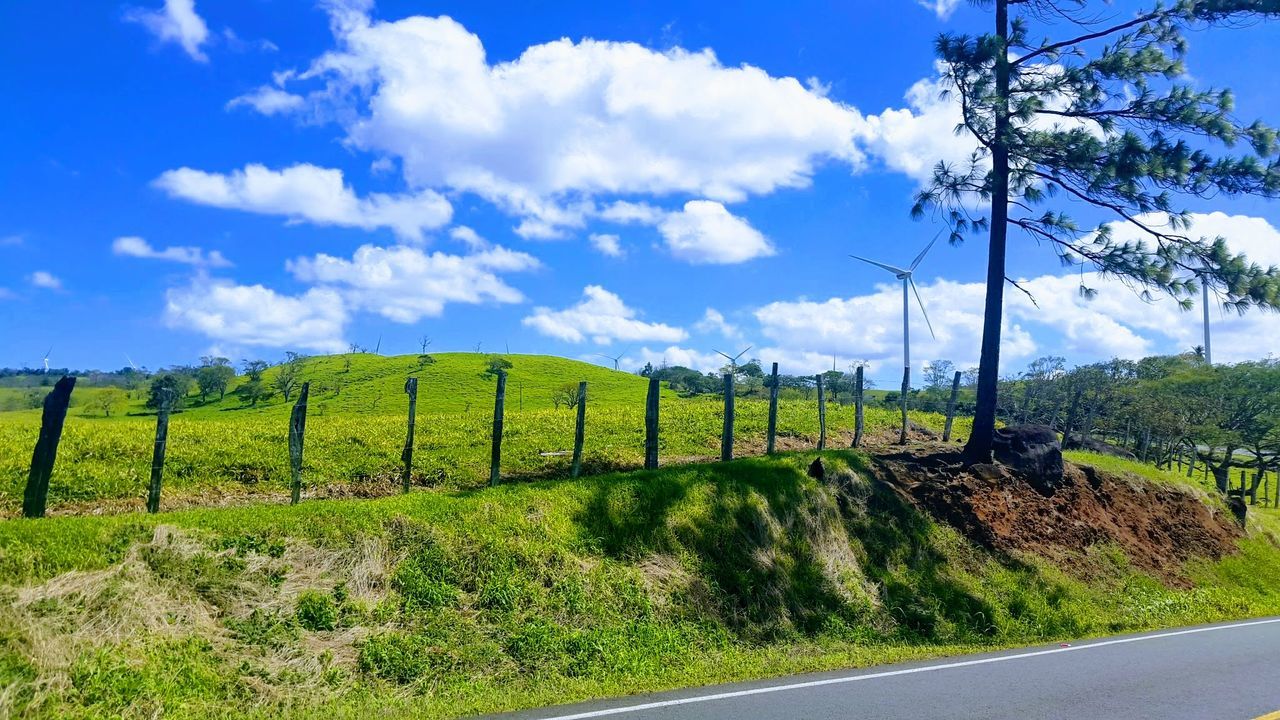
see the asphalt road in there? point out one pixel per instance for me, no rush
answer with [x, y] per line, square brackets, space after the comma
[1228, 671]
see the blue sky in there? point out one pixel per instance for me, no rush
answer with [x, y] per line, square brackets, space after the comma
[656, 180]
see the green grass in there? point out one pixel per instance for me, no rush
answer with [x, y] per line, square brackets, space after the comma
[451, 603]
[355, 434]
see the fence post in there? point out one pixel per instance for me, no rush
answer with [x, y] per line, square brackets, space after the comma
[297, 428]
[495, 455]
[36, 495]
[579, 431]
[410, 387]
[951, 407]
[857, 407]
[651, 426]
[726, 435]
[157, 452]
[773, 410]
[822, 414]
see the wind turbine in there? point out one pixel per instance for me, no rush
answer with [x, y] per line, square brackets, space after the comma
[907, 283]
[733, 361]
[616, 359]
[131, 364]
[46, 358]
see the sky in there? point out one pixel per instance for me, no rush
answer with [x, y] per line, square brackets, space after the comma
[649, 180]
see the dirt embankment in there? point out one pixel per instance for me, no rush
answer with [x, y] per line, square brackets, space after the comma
[1159, 527]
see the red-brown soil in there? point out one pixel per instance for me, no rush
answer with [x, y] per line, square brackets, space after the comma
[1159, 527]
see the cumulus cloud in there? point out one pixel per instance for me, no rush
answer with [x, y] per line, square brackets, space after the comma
[607, 244]
[176, 22]
[307, 193]
[45, 279]
[566, 122]
[913, 139]
[268, 100]
[405, 284]
[941, 8]
[132, 246]
[713, 322]
[675, 355]
[258, 316]
[706, 233]
[602, 317]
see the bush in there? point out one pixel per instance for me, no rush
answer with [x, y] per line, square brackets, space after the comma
[316, 611]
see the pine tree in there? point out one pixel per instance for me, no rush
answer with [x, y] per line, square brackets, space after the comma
[1107, 121]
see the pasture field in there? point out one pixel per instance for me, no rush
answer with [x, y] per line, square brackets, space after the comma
[356, 426]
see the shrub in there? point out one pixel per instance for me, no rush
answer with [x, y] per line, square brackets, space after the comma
[316, 611]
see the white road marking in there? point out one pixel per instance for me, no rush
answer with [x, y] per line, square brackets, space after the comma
[893, 673]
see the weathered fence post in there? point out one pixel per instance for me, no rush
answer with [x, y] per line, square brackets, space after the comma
[410, 387]
[822, 414]
[580, 430]
[726, 435]
[857, 407]
[651, 425]
[951, 407]
[157, 452]
[773, 410]
[46, 450]
[495, 455]
[297, 429]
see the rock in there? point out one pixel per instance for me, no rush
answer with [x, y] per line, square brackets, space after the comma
[1076, 442]
[990, 473]
[1032, 451]
[1235, 503]
[817, 470]
[917, 428]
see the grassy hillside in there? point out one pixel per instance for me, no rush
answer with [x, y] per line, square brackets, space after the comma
[445, 604]
[356, 425]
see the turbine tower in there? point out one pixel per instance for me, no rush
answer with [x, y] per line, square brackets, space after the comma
[1204, 300]
[907, 284]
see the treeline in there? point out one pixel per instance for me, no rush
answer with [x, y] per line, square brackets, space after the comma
[1164, 409]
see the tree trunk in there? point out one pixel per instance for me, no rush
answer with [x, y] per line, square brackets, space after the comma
[978, 449]
[1222, 471]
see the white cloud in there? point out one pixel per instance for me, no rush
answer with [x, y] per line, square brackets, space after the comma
[468, 237]
[912, 140]
[258, 316]
[566, 122]
[607, 244]
[176, 22]
[189, 255]
[268, 101]
[713, 322]
[941, 8]
[602, 317]
[404, 284]
[308, 193]
[675, 355]
[45, 279]
[705, 232]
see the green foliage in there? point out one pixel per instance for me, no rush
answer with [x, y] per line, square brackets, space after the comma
[168, 388]
[496, 363]
[316, 611]
[214, 379]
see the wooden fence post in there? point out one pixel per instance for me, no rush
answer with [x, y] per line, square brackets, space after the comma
[726, 435]
[822, 415]
[495, 455]
[857, 407]
[297, 429]
[951, 407]
[773, 411]
[36, 495]
[157, 452]
[651, 425]
[580, 430]
[410, 387]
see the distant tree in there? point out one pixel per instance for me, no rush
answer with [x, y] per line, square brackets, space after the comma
[253, 369]
[833, 383]
[496, 363]
[939, 374]
[169, 386]
[1111, 119]
[647, 370]
[212, 379]
[107, 400]
[289, 374]
[425, 361]
[566, 394]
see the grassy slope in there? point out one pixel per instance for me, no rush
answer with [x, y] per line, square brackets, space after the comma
[355, 432]
[436, 605]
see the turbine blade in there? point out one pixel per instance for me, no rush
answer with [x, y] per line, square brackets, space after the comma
[925, 251]
[890, 268]
[922, 310]
[726, 357]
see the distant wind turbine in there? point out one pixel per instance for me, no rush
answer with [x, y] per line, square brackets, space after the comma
[733, 360]
[1204, 300]
[46, 358]
[907, 282]
[615, 359]
[131, 363]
